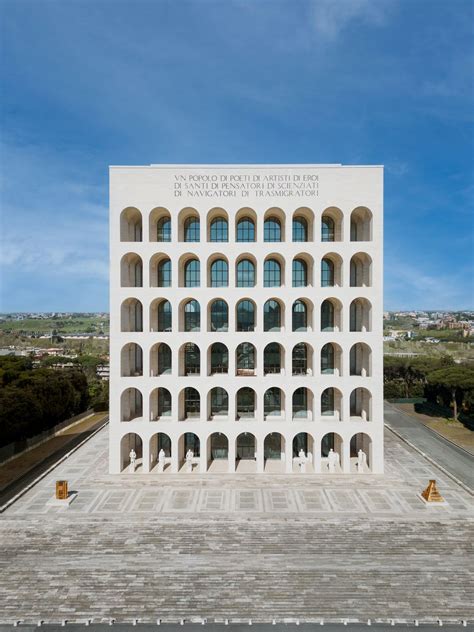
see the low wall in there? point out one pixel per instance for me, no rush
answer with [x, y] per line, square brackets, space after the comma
[12, 450]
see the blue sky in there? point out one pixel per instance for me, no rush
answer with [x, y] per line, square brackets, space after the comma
[92, 83]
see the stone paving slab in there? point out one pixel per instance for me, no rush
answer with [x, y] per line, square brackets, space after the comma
[238, 547]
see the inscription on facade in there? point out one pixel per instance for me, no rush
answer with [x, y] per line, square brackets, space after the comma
[243, 185]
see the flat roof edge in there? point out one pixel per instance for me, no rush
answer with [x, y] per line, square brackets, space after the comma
[245, 166]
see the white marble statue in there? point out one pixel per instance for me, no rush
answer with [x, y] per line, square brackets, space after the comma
[189, 460]
[133, 458]
[302, 461]
[161, 460]
[333, 458]
[361, 461]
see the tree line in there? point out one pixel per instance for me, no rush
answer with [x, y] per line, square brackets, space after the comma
[35, 399]
[440, 381]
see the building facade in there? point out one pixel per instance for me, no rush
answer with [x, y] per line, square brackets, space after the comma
[246, 309]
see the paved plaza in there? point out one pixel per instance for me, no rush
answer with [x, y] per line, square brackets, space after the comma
[265, 547]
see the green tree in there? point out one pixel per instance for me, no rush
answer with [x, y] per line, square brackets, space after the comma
[457, 380]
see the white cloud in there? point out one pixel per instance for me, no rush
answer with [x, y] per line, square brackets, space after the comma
[330, 17]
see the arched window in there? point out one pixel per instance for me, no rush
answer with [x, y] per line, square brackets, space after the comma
[164, 402]
[164, 316]
[246, 229]
[192, 404]
[163, 229]
[300, 403]
[192, 359]
[327, 316]
[272, 229]
[327, 359]
[272, 358]
[327, 402]
[271, 273]
[191, 229]
[245, 402]
[272, 402]
[219, 358]
[300, 273]
[219, 316]
[300, 229]
[192, 316]
[272, 316]
[219, 229]
[245, 316]
[245, 273]
[300, 316]
[219, 402]
[192, 273]
[164, 273]
[327, 229]
[300, 359]
[219, 273]
[164, 360]
[245, 359]
[327, 273]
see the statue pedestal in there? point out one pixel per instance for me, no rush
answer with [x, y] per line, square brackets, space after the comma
[57, 502]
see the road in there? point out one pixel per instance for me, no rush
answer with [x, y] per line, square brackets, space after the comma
[453, 459]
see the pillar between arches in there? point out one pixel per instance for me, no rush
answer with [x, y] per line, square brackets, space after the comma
[231, 456]
[145, 456]
[346, 456]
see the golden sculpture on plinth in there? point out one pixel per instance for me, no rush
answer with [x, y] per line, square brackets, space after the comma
[61, 490]
[431, 493]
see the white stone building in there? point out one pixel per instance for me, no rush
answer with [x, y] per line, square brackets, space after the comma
[246, 318]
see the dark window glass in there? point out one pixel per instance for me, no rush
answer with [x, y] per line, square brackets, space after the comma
[327, 229]
[245, 316]
[272, 273]
[272, 358]
[245, 402]
[191, 441]
[300, 403]
[300, 359]
[219, 402]
[219, 358]
[192, 316]
[164, 402]
[300, 275]
[245, 359]
[327, 402]
[192, 274]
[272, 402]
[245, 273]
[272, 230]
[164, 316]
[300, 442]
[219, 273]
[192, 359]
[163, 229]
[164, 273]
[219, 230]
[192, 405]
[327, 316]
[299, 313]
[191, 229]
[219, 445]
[327, 359]
[246, 230]
[164, 443]
[327, 273]
[300, 229]
[164, 359]
[219, 316]
[137, 324]
[271, 316]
